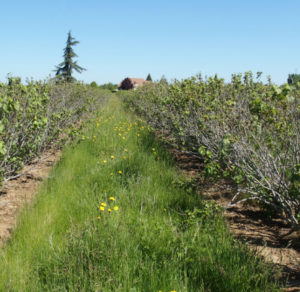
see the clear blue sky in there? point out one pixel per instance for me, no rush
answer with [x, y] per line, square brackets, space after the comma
[133, 38]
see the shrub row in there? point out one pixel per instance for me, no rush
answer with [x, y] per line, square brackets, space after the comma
[35, 115]
[245, 129]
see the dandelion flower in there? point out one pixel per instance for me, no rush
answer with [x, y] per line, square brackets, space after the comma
[101, 208]
[120, 171]
[138, 135]
[98, 217]
[111, 198]
[153, 149]
[104, 161]
[123, 138]
[103, 204]
[116, 208]
[109, 210]
[112, 157]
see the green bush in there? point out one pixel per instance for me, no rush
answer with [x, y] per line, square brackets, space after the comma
[244, 129]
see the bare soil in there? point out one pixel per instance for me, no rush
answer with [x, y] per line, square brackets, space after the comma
[15, 193]
[262, 232]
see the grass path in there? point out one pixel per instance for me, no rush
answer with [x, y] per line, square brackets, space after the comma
[116, 216]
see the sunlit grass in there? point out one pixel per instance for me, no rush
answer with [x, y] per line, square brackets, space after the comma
[116, 216]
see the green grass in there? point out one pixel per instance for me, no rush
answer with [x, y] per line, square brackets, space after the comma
[163, 237]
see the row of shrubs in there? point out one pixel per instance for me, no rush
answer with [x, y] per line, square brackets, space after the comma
[38, 115]
[246, 130]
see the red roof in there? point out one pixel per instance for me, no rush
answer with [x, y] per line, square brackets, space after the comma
[136, 82]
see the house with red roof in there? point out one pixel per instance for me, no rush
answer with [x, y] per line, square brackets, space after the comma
[132, 83]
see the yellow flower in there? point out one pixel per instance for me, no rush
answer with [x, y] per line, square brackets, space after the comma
[112, 198]
[98, 124]
[98, 217]
[120, 171]
[116, 208]
[153, 149]
[104, 161]
[138, 135]
[165, 210]
[123, 138]
[94, 137]
[101, 208]
[120, 134]
[112, 157]
[103, 204]
[109, 210]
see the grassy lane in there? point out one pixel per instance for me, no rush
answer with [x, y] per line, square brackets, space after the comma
[115, 216]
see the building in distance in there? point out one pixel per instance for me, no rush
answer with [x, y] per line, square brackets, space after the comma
[132, 83]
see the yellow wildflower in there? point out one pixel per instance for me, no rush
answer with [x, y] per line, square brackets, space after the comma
[120, 171]
[104, 161]
[153, 149]
[109, 210]
[112, 198]
[98, 217]
[112, 157]
[101, 208]
[103, 204]
[123, 138]
[116, 208]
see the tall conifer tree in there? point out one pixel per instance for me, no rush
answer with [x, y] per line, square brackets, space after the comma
[149, 77]
[64, 69]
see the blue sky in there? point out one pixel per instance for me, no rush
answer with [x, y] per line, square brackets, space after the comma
[133, 38]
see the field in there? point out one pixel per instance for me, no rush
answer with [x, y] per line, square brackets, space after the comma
[116, 214]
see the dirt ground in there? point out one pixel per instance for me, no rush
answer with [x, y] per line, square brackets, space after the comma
[14, 193]
[248, 223]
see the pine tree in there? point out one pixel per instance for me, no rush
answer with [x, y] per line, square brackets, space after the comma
[64, 69]
[149, 77]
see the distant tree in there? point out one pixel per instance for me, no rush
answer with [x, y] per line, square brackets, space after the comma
[109, 86]
[149, 77]
[64, 69]
[163, 80]
[293, 79]
[126, 84]
[94, 84]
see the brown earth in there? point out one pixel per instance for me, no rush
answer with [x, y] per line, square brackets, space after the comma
[16, 192]
[248, 222]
